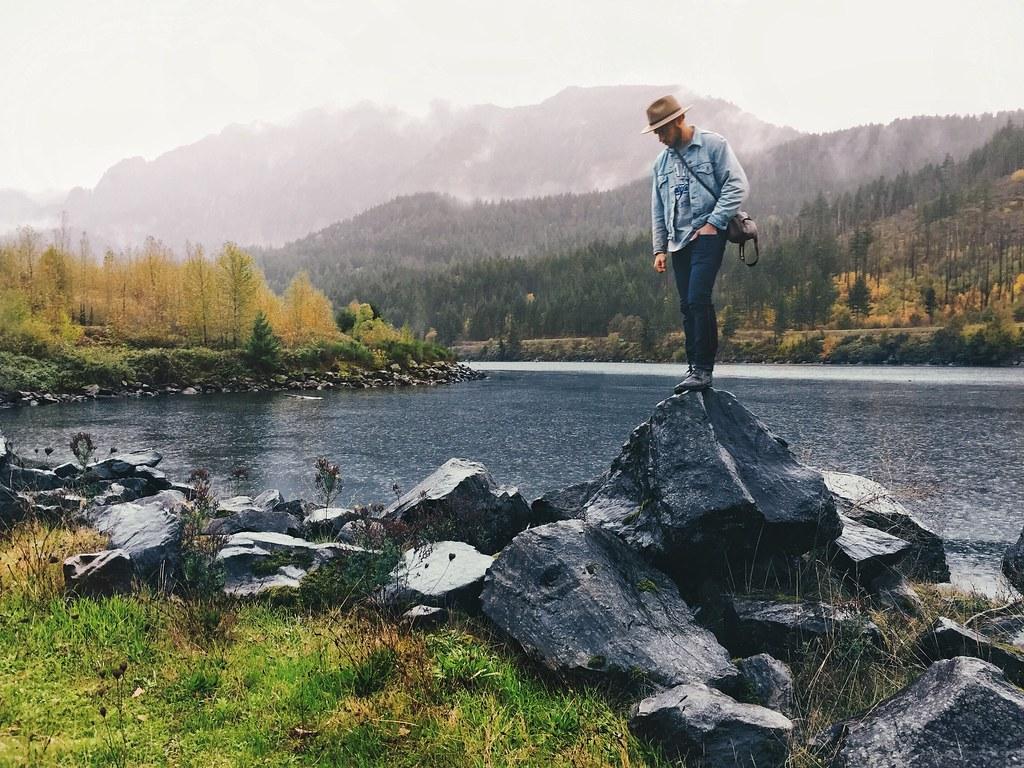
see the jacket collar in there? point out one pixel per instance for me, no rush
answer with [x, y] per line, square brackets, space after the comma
[696, 141]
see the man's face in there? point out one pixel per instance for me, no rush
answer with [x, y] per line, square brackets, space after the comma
[671, 133]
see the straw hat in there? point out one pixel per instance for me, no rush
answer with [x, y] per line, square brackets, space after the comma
[664, 110]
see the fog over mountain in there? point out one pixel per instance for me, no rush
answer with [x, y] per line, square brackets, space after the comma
[268, 185]
[273, 183]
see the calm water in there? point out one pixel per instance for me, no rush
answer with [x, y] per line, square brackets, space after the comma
[950, 441]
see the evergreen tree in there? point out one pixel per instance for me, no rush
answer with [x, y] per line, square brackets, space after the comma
[859, 298]
[264, 348]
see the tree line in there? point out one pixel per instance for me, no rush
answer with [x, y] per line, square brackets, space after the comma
[944, 242]
[54, 293]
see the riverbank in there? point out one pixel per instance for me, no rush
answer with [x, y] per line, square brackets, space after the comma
[112, 372]
[991, 344]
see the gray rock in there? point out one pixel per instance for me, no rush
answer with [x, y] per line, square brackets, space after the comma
[114, 493]
[256, 562]
[99, 574]
[253, 520]
[67, 470]
[265, 502]
[30, 479]
[1008, 629]
[297, 507]
[782, 629]
[1013, 564]
[155, 480]
[770, 682]
[460, 500]
[865, 553]
[581, 601]
[704, 477]
[123, 464]
[892, 590]
[694, 722]
[185, 489]
[327, 521]
[946, 639]
[444, 574]
[58, 501]
[136, 487]
[149, 529]
[961, 712]
[871, 504]
[13, 507]
[425, 617]
[365, 533]
[568, 503]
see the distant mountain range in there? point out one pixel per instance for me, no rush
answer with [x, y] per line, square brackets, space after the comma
[268, 185]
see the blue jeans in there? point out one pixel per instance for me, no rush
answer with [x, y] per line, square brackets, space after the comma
[696, 266]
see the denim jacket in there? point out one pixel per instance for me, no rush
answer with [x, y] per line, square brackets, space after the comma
[681, 205]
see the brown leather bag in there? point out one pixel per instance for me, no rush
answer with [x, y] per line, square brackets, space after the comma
[741, 229]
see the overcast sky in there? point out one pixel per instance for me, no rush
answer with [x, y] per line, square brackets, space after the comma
[84, 84]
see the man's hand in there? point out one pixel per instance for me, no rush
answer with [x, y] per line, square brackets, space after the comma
[707, 229]
[659, 262]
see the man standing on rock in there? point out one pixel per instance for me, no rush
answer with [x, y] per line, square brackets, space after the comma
[689, 219]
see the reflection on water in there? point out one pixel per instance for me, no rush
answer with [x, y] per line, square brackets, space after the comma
[950, 441]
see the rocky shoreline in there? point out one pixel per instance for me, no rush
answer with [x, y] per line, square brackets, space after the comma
[415, 374]
[699, 575]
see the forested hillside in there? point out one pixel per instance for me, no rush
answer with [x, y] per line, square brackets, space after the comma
[429, 229]
[944, 242]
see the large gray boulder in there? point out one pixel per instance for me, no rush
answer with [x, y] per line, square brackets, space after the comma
[946, 639]
[1013, 564]
[782, 629]
[256, 562]
[581, 601]
[122, 465]
[873, 505]
[99, 574]
[443, 574]
[460, 501]
[702, 478]
[149, 529]
[697, 723]
[865, 553]
[961, 712]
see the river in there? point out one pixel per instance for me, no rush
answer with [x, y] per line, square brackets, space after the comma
[949, 441]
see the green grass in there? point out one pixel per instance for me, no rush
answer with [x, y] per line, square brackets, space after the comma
[285, 687]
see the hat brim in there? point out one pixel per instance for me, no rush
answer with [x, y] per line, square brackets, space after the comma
[669, 119]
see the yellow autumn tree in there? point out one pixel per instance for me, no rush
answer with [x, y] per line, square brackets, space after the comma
[239, 284]
[307, 313]
[200, 285]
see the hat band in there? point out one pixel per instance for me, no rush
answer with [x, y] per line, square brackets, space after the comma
[663, 121]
